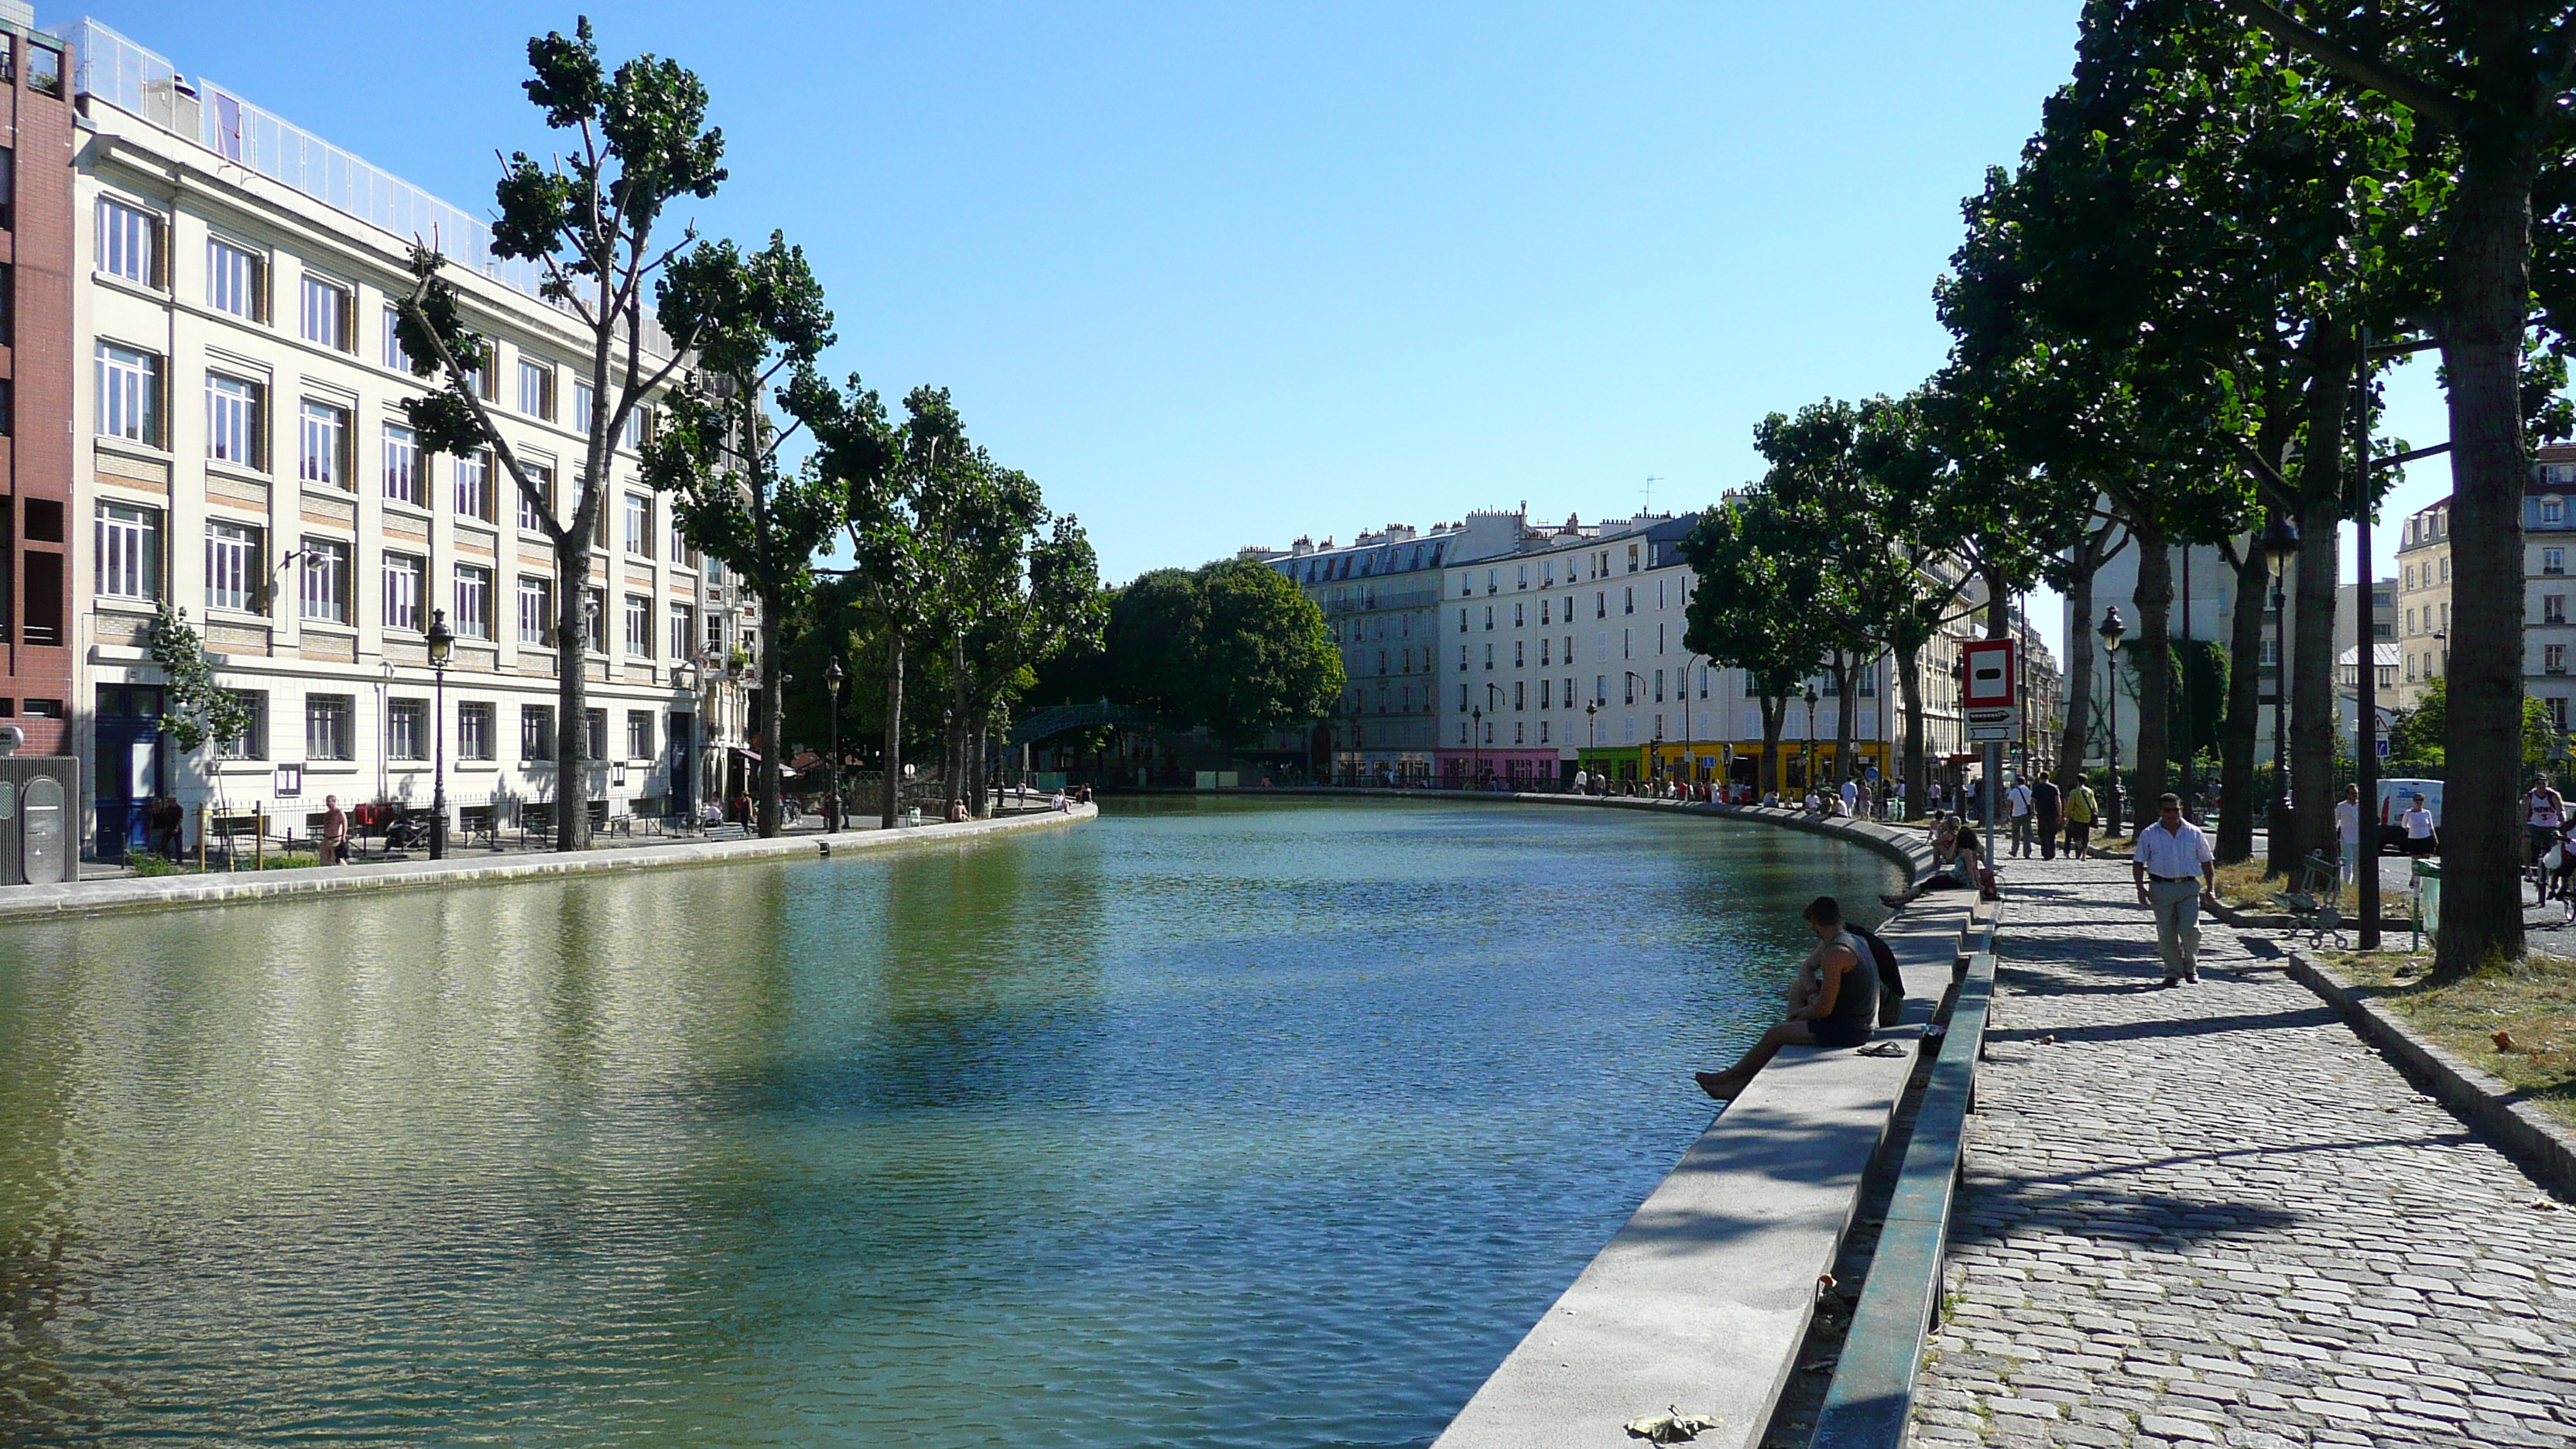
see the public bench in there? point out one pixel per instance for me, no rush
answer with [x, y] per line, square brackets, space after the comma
[1702, 1300]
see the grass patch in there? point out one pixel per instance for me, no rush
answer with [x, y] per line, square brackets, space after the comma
[151, 865]
[291, 860]
[2531, 1001]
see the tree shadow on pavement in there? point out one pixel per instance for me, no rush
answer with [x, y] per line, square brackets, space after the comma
[2316, 1016]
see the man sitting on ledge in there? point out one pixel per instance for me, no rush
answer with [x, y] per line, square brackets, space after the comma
[1834, 1002]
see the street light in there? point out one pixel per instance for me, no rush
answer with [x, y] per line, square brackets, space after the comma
[2280, 542]
[2111, 629]
[442, 643]
[1494, 697]
[1475, 744]
[1807, 746]
[832, 677]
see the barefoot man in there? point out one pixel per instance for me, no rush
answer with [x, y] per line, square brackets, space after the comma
[1834, 1002]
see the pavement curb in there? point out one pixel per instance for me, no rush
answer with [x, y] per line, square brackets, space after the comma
[165, 893]
[2478, 1097]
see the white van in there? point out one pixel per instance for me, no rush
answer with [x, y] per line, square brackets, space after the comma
[2396, 797]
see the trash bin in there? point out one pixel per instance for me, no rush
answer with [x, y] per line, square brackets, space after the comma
[2427, 914]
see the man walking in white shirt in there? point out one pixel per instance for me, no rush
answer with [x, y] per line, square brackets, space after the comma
[2019, 798]
[2348, 830]
[2176, 872]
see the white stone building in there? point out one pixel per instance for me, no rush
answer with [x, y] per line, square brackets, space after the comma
[241, 454]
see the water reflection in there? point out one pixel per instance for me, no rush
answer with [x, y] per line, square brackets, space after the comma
[1223, 1123]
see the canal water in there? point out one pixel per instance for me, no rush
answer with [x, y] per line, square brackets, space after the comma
[1212, 1123]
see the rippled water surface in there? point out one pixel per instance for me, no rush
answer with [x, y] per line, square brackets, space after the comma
[1269, 1124]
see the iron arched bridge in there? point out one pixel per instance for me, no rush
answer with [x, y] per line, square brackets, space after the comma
[1060, 719]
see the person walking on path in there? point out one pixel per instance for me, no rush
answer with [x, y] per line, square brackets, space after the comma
[2348, 831]
[2176, 872]
[2081, 807]
[2544, 814]
[2047, 809]
[335, 832]
[2018, 801]
[1833, 1003]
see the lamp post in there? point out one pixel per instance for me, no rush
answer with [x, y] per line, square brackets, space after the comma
[1475, 744]
[2111, 629]
[1493, 698]
[1591, 731]
[832, 678]
[2280, 542]
[442, 643]
[1807, 744]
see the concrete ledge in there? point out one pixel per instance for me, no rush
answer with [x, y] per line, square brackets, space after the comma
[2483, 1100]
[1702, 1299]
[173, 892]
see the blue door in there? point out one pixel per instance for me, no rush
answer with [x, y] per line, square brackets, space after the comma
[128, 766]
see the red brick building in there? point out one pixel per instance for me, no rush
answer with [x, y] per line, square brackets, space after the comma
[36, 238]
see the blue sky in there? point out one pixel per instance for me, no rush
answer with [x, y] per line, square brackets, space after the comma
[1221, 275]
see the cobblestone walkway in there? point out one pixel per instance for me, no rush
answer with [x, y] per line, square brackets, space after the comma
[2211, 1215]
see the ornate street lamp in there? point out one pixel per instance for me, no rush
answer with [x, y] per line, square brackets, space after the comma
[442, 644]
[2280, 543]
[1494, 697]
[1807, 746]
[2111, 630]
[832, 678]
[1475, 744]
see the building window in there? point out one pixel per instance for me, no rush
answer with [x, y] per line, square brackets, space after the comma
[473, 731]
[325, 576]
[533, 516]
[536, 389]
[395, 357]
[536, 611]
[2558, 713]
[639, 525]
[322, 450]
[474, 486]
[328, 315]
[2553, 659]
[45, 70]
[234, 408]
[536, 732]
[473, 601]
[402, 466]
[482, 375]
[129, 242]
[407, 729]
[129, 394]
[252, 742]
[403, 574]
[234, 578]
[129, 552]
[233, 277]
[597, 719]
[2553, 511]
[585, 406]
[2552, 561]
[639, 627]
[2553, 608]
[639, 734]
[594, 619]
[326, 727]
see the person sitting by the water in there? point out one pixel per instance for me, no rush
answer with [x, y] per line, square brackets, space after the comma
[1834, 1002]
[1955, 861]
[956, 812]
[1059, 802]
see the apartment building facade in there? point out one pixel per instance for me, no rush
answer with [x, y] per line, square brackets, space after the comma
[37, 582]
[1380, 597]
[2423, 600]
[2425, 564]
[240, 455]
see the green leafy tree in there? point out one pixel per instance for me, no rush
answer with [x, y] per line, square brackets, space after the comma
[194, 708]
[1232, 647]
[1762, 588]
[758, 319]
[2489, 81]
[588, 221]
[2420, 734]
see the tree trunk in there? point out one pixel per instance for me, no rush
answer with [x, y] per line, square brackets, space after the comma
[764, 718]
[2312, 667]
[1775, 713]
[1909, 682]
[2486, 299]
[2073, 745]
[2155, 671]
[2237, 741]
[572, 689]
[1846, 680]
[893, 729]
